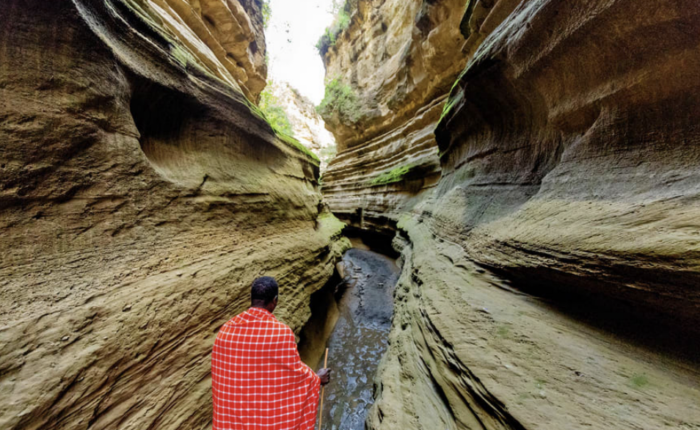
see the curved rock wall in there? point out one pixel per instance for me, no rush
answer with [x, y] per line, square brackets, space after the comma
[399, 59]
[550, 262]
[139, 196]
[225, 38]
[556, 146]
[307, 124]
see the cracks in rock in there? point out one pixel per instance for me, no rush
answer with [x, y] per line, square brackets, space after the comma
[488, 404]
[467, 402]
[201, 186]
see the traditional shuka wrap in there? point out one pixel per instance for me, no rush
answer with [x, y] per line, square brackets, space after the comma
[258, 379]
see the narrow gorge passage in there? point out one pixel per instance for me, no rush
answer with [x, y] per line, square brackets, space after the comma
[532, 165]
[352, 318]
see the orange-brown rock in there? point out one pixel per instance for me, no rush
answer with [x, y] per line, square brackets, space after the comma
[139, 196]
[576, 163]
[550, 261]
[223, 37]
[399, 59]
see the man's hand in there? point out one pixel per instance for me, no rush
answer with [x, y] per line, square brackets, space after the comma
[325, 375]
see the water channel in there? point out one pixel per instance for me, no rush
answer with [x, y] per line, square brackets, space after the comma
[352, 318]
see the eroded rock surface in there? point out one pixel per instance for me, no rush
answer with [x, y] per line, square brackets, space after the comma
[307, 125]
[470, 350]
[575, 162]
[399, 60]
[139, 196]
[550, 257]
[223, 37]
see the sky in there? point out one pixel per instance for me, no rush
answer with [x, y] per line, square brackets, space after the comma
[294, 28]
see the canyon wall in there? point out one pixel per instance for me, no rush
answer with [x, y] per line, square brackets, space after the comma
[397, 60]
[307, 125]
[546, 211]
[140, 194]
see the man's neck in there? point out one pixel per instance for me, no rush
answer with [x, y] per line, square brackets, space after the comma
[259, 306]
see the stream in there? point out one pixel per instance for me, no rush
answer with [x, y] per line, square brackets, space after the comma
[356, 325]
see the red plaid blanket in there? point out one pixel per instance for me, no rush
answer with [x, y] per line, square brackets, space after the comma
[258, 379]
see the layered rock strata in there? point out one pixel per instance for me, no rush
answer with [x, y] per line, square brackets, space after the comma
[573, 162]
[223, 37]
[550, 272]
[398, 60]
[139, 196]
[307, 125]
[470, 350]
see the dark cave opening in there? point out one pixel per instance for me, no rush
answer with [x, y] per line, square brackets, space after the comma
[324, 315]
[377, 241]
[602, 306]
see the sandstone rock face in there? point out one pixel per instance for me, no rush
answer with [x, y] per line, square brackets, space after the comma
[550, 263]
[578, 158]
[308, 126]
[399, 59]
[139, 196]
[224, 37]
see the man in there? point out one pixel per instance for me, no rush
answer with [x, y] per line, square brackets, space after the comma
[258, 379]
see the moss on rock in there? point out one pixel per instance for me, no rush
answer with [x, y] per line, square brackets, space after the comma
[395, 175]
[341, 99]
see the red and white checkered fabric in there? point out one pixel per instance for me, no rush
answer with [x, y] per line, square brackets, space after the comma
[258, 379]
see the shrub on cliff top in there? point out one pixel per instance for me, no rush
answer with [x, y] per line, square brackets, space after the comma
[274, 112]
[341, 23]
[266, 12]
[340, 99]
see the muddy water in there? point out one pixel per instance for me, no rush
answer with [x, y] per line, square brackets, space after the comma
[359, 339]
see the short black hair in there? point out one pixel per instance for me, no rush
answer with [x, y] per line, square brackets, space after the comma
[264, 289]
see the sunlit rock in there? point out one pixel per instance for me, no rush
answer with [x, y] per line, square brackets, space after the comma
[550, 264]
[306, 124]
[140, 194]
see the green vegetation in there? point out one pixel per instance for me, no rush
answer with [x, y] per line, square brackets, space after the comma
[271, 111]
[328, 224]
[266, 12]
[181, 55]
[274, 112]
[454, 97]
[341, 9]
[451, 102]
[298, 145]
[639, 381]
[340, 98]
[395, 175]
[328, 154]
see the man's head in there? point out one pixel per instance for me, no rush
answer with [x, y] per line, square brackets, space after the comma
[264, 293]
